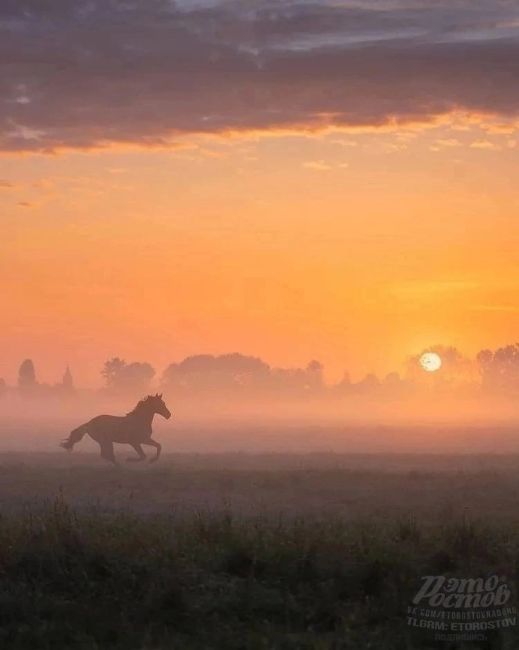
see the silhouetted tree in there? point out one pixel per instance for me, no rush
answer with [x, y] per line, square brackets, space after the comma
[369, 384]
[485, 358]
[393, 385]
[314, 373]
[392, 379]
[112, 370]
[294, 382]
[344, 385]
[127, 377]
[27, 383]
[499, 369]
[206, 372]
[230, 373]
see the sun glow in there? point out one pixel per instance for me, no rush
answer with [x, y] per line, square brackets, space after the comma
[430, 361]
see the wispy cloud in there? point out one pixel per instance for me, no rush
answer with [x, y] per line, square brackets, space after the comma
[449, 143]
[317, 165]
[485, 144]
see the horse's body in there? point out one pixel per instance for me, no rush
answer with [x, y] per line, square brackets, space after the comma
[133, 429]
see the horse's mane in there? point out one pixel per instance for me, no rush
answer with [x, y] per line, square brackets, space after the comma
[140, 405]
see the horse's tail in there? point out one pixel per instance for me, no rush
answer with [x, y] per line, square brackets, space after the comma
[75, 436]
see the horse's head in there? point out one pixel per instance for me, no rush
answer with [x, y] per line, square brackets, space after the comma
[159, 406]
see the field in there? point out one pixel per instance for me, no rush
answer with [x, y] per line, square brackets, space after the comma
[234, 551]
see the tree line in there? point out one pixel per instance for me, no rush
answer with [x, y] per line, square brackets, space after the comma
[492, 371]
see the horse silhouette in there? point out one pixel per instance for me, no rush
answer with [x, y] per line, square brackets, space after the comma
[133, 429]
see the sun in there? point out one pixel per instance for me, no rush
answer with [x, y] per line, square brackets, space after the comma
[430, 361]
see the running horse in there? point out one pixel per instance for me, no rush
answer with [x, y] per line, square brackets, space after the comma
[132, 429]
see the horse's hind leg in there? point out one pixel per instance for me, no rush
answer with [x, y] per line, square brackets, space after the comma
[140, 452]
[107, 451]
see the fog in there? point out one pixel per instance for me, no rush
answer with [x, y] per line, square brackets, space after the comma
[426, 423]
[238, 403]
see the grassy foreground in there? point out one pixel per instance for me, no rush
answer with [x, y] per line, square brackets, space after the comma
[95, 580]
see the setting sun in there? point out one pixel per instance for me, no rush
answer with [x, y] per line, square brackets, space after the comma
[430, 361]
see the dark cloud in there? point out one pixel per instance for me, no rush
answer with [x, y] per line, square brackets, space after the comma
[86, 73]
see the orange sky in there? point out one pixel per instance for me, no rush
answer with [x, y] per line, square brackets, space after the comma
[292, 180]
[358, 249]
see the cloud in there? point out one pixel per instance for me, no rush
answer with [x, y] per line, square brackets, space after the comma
[5, 185]
[485, 144]
[449, 143]
[317, 165]
[145, 72]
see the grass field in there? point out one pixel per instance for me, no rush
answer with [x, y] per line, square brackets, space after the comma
[235, 551]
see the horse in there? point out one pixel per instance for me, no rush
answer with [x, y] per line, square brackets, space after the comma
[133, 429]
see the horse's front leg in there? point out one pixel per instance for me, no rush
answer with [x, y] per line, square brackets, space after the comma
[107, 451]
[157, 446]
[140, 454]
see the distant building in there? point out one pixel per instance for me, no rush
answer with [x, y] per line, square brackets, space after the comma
[68, 381]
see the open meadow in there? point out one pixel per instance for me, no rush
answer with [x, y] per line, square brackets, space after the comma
[238, 550]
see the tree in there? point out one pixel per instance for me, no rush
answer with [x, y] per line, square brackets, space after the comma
[314, 373]
[27, 383]
[369, 384]
[499, 369]
[127, 377]
[207, 372]
[394, 386]
[112, 371]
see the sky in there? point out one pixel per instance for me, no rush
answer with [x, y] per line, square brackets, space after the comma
[289, 179]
